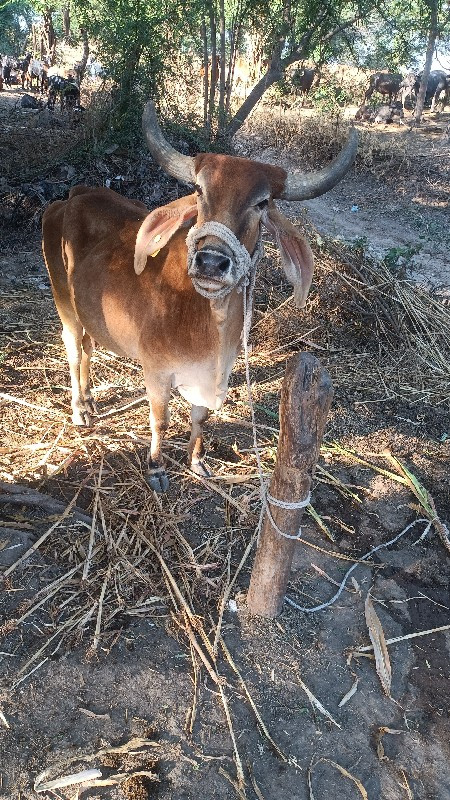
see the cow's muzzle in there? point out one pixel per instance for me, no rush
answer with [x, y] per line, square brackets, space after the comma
[215, 270]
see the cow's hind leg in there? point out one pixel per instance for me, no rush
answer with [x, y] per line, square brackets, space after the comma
[72, 336]
[196, 450]
[158, 393]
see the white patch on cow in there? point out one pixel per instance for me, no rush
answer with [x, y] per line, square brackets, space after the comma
[203, 384]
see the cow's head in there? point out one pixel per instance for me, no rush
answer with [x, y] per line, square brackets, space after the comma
[239, 194]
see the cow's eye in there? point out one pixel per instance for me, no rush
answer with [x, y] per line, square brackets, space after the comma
[198, 189]
[263, 204]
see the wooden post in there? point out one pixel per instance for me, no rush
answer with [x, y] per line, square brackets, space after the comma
[305, 401]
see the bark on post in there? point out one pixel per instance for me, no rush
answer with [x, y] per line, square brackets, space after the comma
[305, 401]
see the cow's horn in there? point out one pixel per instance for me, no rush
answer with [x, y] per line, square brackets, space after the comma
[302, 187]
[174, 163]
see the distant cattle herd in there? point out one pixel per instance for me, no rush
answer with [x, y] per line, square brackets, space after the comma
[52, 83]
[55, 84]
[401, 90]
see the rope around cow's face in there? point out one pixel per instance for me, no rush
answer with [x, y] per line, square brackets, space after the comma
[244, 263]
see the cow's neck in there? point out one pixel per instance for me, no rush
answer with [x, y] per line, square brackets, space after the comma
[228, 316]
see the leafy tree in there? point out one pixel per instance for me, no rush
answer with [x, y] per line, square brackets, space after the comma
[15, 23]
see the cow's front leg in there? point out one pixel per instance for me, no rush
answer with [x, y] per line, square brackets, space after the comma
[196, 450]
[158, 394]
[85, 382]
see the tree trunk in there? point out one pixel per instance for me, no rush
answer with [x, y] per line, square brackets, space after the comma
[81, 69]
[49, 35]
[222, 68]
[432, 35]
[213, 78]
[66, 21]
[272, 75]
[204, 38]
[277, 65]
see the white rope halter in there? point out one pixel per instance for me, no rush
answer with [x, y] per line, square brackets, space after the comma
[244, 263]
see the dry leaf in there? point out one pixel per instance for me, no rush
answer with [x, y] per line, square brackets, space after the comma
[316, 703]
[378, 739]
[376, 633]
[349, 694]
[343, 772]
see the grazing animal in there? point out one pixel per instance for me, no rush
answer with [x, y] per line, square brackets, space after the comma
[438, 87]
[67, 91]
[6, 71]
[387, 114]
[22, 66]
[28, 101]
[438, 84]
[302, 80]
[383, 83]
[37, 71]
[168, 287]
[364, 113]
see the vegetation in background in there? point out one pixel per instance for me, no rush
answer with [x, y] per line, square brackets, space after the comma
[140, 42]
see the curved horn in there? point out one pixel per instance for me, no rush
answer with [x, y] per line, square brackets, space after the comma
[174, 163]
[304, 187]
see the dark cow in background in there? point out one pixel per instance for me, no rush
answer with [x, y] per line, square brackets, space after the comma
[381, 114]
[383, 83]
[6, 67]
[386, 114]
[302, 80]
[438, 87]
[29, 102]
[22, 67]
[67, 91]
[438, 84]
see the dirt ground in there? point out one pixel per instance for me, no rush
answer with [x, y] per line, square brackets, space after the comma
[102, 657]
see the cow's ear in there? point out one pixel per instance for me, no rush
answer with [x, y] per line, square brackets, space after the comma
[296, 255]
[159, 227]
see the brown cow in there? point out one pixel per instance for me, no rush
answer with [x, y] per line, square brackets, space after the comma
[126, 279]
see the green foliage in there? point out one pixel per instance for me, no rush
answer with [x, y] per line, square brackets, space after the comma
[330, 98]
[137, 40]
[15, 22]
[399, 259]
[395, 34]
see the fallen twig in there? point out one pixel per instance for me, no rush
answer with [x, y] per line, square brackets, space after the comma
[369, 647]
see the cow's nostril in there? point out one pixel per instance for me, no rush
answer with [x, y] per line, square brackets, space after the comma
[223, 264]
[210, 262]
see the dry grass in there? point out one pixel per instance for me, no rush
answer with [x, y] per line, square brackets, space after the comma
[381, 336]
[310, 138]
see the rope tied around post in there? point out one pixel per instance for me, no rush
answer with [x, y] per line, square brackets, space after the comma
[273, 501]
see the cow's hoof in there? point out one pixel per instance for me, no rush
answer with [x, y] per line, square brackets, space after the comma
[200, 468]
[91, 405]
[157, 480]
[81, 418]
